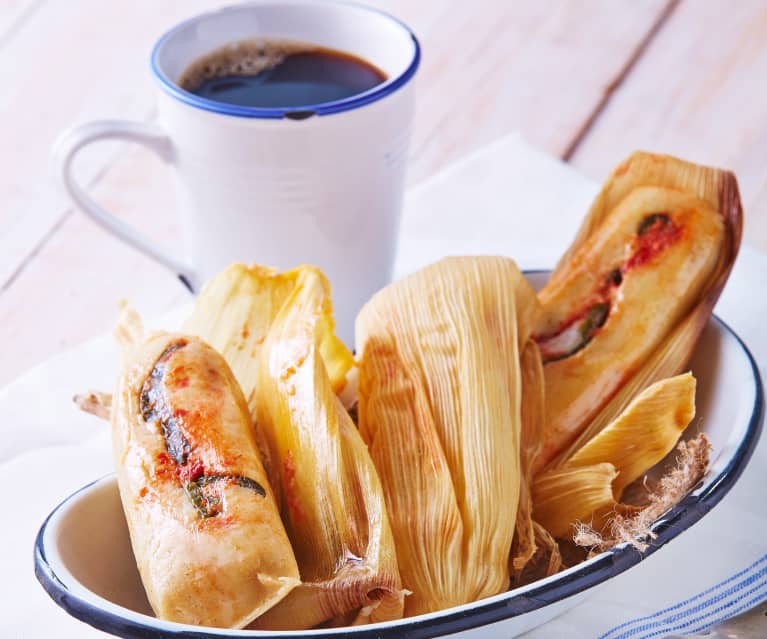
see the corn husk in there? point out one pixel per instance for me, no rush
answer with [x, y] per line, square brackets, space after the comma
[235, 311]
[634, 525]
[94, 402]
[640, 437]
[439, 407]
[546, 561]
[129, 331]
[329, 492]
[565, 497]
[664, 363]
[533, 417]
[644, 433]
[581, 404]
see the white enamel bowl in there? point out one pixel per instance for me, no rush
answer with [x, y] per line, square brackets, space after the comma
[84, 561]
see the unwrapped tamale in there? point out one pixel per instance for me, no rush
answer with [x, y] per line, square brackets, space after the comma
[204, 524]
[628, 301]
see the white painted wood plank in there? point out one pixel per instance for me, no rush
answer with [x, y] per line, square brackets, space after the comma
[539, 66]
[699, 92]
[535, 67]
[70, 62]
[70, 291]
[13, 15]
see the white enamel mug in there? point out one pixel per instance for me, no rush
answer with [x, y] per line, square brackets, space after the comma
[318, 184]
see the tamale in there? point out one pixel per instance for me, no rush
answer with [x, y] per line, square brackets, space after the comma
[329, 493]
[628, 301]
[203, 520]
[439, 407]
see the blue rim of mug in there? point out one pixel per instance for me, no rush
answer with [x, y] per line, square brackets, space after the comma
[295, 112]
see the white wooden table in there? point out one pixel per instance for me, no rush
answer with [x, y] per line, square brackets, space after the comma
[586, 80]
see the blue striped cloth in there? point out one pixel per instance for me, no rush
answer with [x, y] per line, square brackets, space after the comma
[726, 599]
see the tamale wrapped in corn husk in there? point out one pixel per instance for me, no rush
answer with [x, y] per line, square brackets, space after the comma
[332, 499]
[589, 486]
[329, 493]
[440, 409]
[627, 302]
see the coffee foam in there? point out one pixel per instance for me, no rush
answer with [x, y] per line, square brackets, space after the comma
[248, 57]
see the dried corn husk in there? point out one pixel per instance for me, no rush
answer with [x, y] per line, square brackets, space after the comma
[94, 402]
[664, 363]
[236, 309]
[564, 497]
[634, 526]
[655, 308]
[640, 437]
[330, 495]
[644, 433]
[129, 331]
[439, 407]
[546, 561]
[533, 417]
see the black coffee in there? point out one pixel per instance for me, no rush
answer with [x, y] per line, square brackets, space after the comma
[279, 74]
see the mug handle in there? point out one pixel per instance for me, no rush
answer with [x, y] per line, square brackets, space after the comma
[149, 135]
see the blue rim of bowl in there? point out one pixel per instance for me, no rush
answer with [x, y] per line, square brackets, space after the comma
[378, 92]
[594, 572]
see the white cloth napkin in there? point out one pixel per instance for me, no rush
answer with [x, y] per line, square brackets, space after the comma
[506, 199]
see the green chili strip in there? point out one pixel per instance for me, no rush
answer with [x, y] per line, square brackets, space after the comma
[595, 319]
[650, 220]
[154, 407]
[209, 505]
